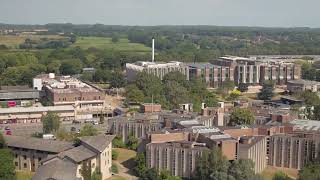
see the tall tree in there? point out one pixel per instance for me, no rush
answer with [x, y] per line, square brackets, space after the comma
[133, 94]
[266, 92]
[176, 94]
[241, 116]
[50, 122]
[117, 80]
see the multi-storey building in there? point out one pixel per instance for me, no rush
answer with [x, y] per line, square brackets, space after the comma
[213, 75]
[66, 90]
[179, 158]
[255, 149]
[155, 68]
[293, 150]
[301, 85]
[253, 71]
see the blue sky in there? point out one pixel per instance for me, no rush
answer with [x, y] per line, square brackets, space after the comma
[271, 13]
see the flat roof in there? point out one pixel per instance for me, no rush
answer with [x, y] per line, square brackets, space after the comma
[201, 65]
[306, 125]
[35, 109]
[305, 82]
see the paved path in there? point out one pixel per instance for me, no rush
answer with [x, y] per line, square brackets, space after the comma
[123, 171]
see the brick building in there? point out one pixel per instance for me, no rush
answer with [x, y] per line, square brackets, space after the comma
[66, 90]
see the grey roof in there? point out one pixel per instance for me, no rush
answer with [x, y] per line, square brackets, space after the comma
[38, 144]
[304, 82]
[58, 169]
[19, 94]
[36, 109]
[99, 142]
[254, 140]
[78, 154]
[200, 65]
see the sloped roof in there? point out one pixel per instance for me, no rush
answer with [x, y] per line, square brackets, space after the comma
[54, 146]
[78, 154]
[99, 142]
[58, 169]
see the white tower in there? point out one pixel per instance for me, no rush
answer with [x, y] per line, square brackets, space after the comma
[152, 49]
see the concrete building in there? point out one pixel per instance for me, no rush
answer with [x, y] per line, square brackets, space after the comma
[293, 150]
[179, 158]
[301, 85]
[18, 95]
[252, 71]
[213, 75]
[155, 68]
[66, 90]
[179, 151]
[255, 149]
[140, 125]
[34, 114]
[94, 151]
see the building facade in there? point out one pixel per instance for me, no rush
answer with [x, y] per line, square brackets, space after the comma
[255, 149]
[67, 90]
[297, 86]
[293, 150]
[179, 158]
[155, 68]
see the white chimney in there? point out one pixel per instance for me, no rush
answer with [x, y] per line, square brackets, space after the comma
[51, 75]
[152, 49]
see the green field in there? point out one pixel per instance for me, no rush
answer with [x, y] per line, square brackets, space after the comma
[23, 175]
[106, 43]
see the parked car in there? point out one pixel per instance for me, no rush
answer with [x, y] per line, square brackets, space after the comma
[8, 132]
[76, 122]
[49, 137]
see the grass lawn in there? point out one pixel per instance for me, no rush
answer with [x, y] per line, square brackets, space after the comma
[270, 171]
[106, 43]
[116, 177]
[23, 175]
[125, 154]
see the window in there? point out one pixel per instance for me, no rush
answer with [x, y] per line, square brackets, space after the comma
[16, 163]
[24, 157]
[24, 165]
[16, 155]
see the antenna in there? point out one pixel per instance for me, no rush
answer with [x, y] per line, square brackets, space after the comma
[152, 49]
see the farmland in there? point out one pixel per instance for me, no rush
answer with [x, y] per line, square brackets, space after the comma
[106, 43]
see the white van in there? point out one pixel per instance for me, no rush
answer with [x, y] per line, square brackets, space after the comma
[49, 137]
